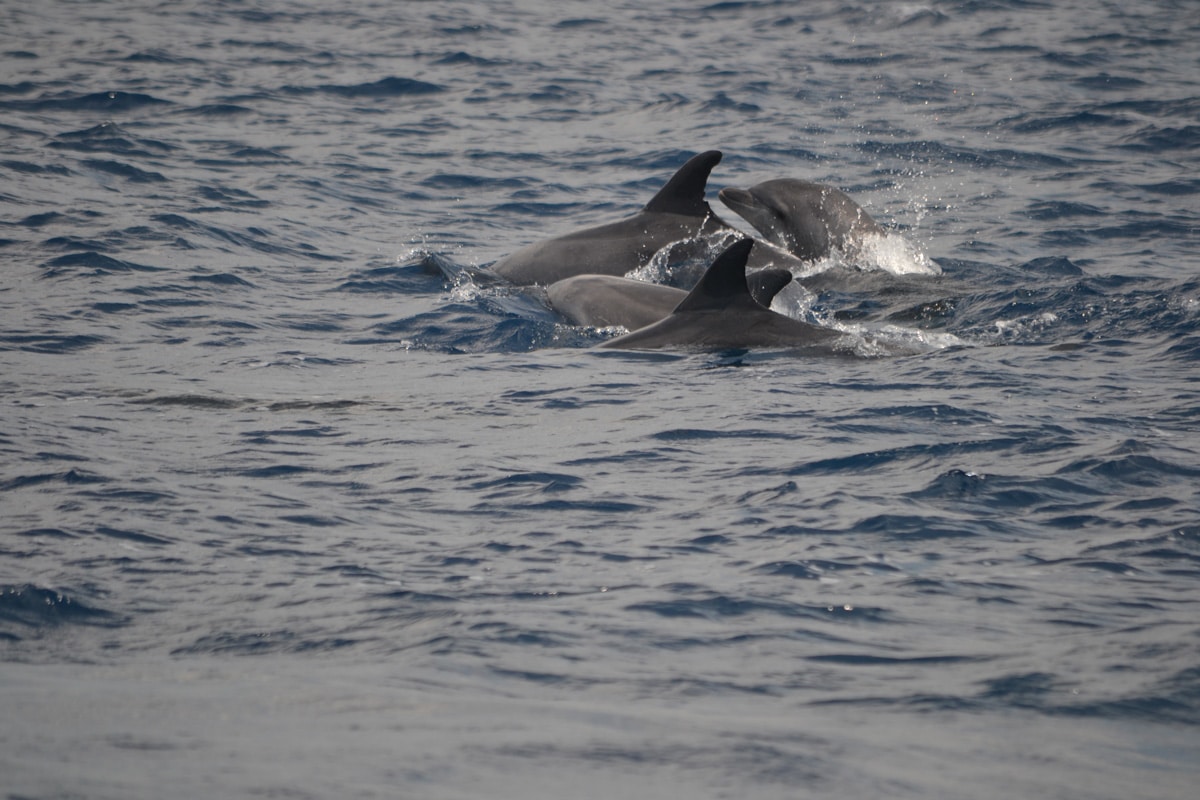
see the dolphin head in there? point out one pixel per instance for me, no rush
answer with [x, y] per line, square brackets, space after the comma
[808, 219]
[767, 217]
[788, 213]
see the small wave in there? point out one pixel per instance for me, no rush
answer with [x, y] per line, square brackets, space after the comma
[1125, 468]
[1082, 119]
[255, 239]
[1182, 107]
[1174, 700]
[275, 471]
[457, 181]
[1155, 139]
[865, 660]
[33, 607]
[110, 102]
[307, 405]
[1071, 303]
[260, 643]
[540, 211]
[792, 569]
[269, 436]
[98, 263]
[109, 137]
[24, 87]
[191, 401]
[126, 171]
[239, 154]
[131, 536]
[54, 533]
[50, 342]
[723, 102]
[409, 275]
[1177, 552]
[689, 434]
[27, 168]
[822, 569]
[158, 56]
[41, 220]
[463, 57]
[1174, 187]
[382, 88]
[524, 482]
[231, 197]
[921, 455]
[588, 507]
[930, 152]
[1008, 492]
[71, 476]
[1052, 266]
[480, 319]
[1109, 83]
[918, 527]
[717, 606]
[215, 110]
[220, 279]
[579, 22]
[224, 403]
[1186, 348]
[1047, 210]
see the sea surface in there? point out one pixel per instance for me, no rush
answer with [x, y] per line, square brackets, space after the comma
[295, 503]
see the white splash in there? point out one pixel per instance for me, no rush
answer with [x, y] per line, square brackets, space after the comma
[894, 340]
[890, 252]
[895, 254]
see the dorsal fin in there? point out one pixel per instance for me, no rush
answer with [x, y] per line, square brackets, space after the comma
[724, 282]
[684, 193]
[766, 283]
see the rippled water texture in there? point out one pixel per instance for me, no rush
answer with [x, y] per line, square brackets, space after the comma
[297, 503]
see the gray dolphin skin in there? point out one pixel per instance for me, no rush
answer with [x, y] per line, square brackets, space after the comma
[720, 314]
[678, 211]
[603, 300]
[806, 219]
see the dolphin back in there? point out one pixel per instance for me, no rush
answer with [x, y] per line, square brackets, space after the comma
[679, 211]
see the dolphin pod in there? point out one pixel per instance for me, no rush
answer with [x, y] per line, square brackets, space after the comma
[800, 222]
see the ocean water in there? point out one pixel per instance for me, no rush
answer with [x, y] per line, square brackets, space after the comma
[295, 504]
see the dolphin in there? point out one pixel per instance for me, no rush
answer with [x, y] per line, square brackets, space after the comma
[720, 314]
[678, 212]
[806, 219]
[603, 300]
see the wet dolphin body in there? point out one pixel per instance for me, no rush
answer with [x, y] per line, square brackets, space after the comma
[603, 300]
[806, 219]
[678, 212]
[720, 314]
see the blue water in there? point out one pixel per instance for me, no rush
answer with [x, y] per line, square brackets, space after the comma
[287, 511]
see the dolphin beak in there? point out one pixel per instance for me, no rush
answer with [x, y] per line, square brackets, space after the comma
[737, 199]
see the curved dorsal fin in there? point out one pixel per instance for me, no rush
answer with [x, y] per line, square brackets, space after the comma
[684, 193]
[724, 282]
[766, 283]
